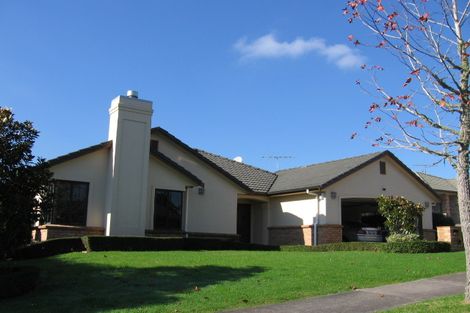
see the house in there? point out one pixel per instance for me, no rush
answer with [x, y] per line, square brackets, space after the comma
[145, 181]
[447, 191]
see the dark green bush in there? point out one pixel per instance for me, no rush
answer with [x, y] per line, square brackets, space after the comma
[420, 246]
[104, 243]
[49, 248]
[339, 246]
[15, 281]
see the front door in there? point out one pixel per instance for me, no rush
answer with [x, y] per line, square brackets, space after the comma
[244, 222]
[168, 210]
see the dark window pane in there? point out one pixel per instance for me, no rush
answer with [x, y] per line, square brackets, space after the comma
[383, 169]
[70, 203]
[168, 208]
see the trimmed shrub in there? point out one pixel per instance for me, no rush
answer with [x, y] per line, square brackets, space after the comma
[339, 246]
[49, 248]
[419, 246]
[104, 243]
[402, 237]
[15, 281]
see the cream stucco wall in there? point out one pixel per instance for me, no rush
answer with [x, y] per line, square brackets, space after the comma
[163, 176]
[90, 168]
[293, 210]
[369, 183]
[215, 211]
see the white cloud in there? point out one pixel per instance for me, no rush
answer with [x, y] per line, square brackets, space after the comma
[268, 46]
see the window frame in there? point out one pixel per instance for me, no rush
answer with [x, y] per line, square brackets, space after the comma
[181, 210]
[52, 215]
[383, 168]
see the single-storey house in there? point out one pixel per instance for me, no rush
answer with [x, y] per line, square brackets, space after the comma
[145, 181]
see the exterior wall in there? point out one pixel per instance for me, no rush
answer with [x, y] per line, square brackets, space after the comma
[304, 234]
[91, 168]
[369, 183]
[46, 232]
[294, 210]
[449, 205]
[215, 211]
[162, 176]
[329, 233]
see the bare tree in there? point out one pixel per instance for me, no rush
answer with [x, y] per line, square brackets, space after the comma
[429, 111]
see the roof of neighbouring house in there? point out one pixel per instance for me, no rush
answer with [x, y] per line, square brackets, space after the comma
[256, 179]
[439, 183]
[318, 175]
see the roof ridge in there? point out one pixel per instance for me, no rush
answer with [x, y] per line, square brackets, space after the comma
[325, 162]
[245, 164]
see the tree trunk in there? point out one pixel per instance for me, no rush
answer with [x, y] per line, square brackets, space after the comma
[463, 191]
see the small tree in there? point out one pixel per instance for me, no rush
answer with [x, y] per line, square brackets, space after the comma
[429, 108]
[23, 182]
[401, 215]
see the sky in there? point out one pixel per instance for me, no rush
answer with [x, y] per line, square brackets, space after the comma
[270, 81]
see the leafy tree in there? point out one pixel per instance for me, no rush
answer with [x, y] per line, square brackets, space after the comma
[23, 182]
[429, 110]
[400, 214]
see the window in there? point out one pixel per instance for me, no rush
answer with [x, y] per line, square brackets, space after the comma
[383, 169]
[168, 209]
[70, 203]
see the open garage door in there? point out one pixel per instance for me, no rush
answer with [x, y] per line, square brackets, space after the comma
[361, 220]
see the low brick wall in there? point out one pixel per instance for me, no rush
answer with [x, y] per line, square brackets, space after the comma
[429, 234]
[51, 231]
[303, 234]
[330, 233]
[290, 235]
[450, 234]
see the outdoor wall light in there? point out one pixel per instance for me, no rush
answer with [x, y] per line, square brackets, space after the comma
[201, 190]
[426, 204]
[333, 195]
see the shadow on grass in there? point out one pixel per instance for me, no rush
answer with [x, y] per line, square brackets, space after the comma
[79, 287]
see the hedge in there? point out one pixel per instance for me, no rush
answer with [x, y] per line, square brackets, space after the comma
[15, 281]
[420, 246]
[49, 248]
[103, 243]
[339, 246]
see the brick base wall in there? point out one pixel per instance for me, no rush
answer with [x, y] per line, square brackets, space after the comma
[303, 234]
[51, 231]
[429, 234]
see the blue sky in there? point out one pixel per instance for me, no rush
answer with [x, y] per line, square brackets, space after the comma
[236, 78]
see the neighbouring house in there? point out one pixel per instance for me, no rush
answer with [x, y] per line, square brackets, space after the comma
[145, 181]
[447, 191]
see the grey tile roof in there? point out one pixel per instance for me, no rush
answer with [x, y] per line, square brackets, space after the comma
[79, 153]
[439, 183]
[254, 178]
[319, 175]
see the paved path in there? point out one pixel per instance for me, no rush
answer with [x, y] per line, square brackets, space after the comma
[371, 299]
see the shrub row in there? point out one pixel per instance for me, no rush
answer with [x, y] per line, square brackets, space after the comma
[49, 248]
[418, 246]
[103, 243]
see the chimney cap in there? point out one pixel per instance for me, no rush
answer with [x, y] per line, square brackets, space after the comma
[132, 94]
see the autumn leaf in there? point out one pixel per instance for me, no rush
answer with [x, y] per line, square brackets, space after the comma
[424, 17]
[350, 37]
[415, 72]
[407, 82]
[380, 7]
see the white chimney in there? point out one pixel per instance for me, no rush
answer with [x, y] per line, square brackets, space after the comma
[129, 129]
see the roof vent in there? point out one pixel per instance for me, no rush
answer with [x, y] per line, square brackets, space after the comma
[238, 159]
[132, 94]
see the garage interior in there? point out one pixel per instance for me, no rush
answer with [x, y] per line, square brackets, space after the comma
[361, 220]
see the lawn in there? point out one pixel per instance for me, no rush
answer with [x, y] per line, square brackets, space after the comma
[452, 304]
[209, 281]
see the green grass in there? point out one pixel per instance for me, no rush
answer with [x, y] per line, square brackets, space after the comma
[167, 281]
[452, 304]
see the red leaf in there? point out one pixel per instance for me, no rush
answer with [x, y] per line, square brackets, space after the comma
[424, 17]
[407, 82]
[380, 7]
[415, 72]
[350, 37]
[356, 43]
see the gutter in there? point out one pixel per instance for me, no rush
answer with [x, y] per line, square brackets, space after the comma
[315, 194]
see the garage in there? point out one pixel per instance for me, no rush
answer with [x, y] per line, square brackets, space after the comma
[361, 220]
